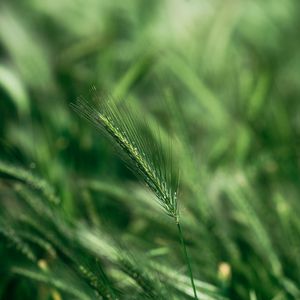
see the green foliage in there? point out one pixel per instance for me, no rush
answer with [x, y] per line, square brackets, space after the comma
[208, 89]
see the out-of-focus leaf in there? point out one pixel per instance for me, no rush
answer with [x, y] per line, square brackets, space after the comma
[14, 87]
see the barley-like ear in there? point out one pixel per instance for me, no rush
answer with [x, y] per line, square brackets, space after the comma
[143, 154]
[21, 175]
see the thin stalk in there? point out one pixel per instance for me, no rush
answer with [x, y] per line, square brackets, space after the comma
[187, 259]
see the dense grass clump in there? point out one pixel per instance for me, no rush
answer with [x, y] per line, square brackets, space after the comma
[190, 191]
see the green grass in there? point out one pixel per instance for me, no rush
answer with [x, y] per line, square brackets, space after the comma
[200, 133]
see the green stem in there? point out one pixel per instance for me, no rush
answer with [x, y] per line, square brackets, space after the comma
[187, 259]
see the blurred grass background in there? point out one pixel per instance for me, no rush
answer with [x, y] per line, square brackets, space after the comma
[222, 77]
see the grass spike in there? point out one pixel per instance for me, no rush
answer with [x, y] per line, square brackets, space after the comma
[21, 175]
[142, 153]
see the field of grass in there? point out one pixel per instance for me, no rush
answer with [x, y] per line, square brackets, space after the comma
[150, 149]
